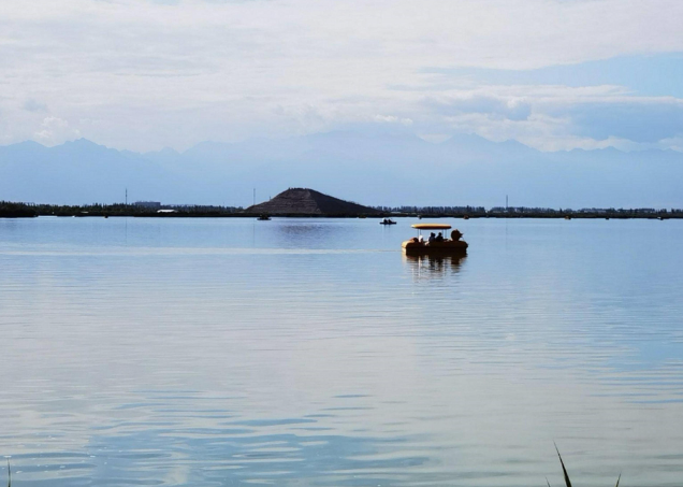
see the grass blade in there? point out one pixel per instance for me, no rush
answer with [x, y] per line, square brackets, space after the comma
[548, 481]
[564, 470]
[9, 475]
[618, 480]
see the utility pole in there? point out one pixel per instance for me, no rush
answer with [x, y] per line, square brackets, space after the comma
[506, 203]
[126, 196]
[254, 195]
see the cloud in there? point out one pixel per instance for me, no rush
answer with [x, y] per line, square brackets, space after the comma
[511, 108]
[32, 105]
[560, 117]
[393, 119]
[644, 75]
[674, 143]
[639, 121]
[144, 75]
[55, 130]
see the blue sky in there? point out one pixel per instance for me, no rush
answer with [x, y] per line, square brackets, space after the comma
[142, 74]
[658, 74]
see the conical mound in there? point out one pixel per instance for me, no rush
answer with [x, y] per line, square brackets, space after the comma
[308, 202]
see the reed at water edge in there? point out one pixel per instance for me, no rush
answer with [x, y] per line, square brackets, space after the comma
[566, 475]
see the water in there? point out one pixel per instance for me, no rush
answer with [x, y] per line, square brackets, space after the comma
[311, 352]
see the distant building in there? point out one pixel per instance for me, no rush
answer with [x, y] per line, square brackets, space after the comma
[152, 205]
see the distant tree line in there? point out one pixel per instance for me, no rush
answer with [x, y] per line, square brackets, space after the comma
[18, 210]
[531, 212]
[8, 209]
[432, 210]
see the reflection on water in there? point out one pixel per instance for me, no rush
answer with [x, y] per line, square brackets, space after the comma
[311, 232]
[311, 352]
[434, 264]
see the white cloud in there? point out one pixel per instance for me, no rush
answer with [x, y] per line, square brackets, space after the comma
[560, 118]
[54, 130]
[674, 143]
[148, 74]
[393, 119]
[32, 105]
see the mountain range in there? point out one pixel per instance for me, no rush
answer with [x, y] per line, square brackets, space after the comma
[377, 169]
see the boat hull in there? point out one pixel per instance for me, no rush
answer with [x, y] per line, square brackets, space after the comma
[447, 247]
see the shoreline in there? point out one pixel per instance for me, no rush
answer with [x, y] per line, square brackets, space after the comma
[26, 210]
[564, 216]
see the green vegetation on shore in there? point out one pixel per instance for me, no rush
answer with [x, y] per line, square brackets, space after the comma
[8, 209]
[19, 210]
[16, 210]
[528, 212]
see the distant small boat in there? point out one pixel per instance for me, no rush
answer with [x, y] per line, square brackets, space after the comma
[263, 218]
[387, 221]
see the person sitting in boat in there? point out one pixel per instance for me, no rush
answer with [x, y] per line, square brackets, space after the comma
[455, 235]
[432, 237]
[421, 239]
[439, 237]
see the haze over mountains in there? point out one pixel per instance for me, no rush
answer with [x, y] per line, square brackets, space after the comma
[377, 169]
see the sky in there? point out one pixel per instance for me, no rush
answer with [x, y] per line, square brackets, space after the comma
[147, 74]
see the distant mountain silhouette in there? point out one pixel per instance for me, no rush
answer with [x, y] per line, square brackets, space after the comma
[305, 201]
[377, 169]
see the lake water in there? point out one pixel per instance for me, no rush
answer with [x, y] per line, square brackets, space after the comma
[311, 352]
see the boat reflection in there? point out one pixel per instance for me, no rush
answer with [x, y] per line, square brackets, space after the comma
[434, 264]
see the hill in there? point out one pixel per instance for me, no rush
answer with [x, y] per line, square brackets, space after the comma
[308, 202]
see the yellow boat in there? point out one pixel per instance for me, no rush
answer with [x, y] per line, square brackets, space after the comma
[445, 246]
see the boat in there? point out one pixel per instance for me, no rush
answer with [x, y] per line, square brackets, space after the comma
[263, 218]
[387, 221]
[447, 246]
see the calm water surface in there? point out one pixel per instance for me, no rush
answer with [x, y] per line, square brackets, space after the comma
[311, 352]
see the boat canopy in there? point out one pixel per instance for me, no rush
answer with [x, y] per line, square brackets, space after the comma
[431, 226]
